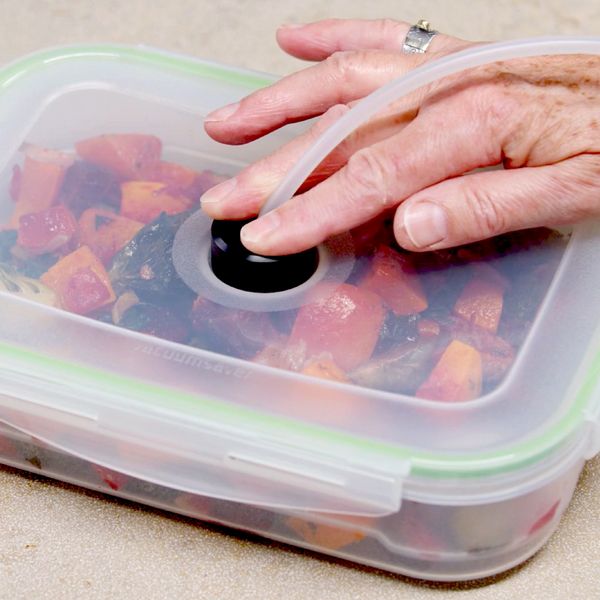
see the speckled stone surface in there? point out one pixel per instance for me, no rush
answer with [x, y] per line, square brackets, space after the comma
[59, 542]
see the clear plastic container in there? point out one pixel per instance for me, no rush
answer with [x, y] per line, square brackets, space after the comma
[425, 414]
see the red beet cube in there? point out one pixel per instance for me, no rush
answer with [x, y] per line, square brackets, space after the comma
[47, 230]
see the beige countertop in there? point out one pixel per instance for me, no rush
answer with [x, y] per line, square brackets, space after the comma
[58, 541]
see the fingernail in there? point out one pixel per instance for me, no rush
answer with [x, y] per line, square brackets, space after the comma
[291, 26]
[258, 230]
[218, 193]
[222, 114]
[425, 224]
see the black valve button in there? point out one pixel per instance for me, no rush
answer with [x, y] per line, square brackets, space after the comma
[236, 266]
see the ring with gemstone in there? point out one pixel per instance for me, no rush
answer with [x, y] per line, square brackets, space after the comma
[418, 38]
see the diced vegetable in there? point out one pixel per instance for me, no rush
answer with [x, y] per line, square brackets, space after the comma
[240, 333]
[178, 180]
[40, 181]
[457, 376]
[400, 369]
[336, 408]
[496, 353]
[481, 300]
[144, 200]
[80, 281]
[350, 531]
[113, 479]
[47, 230]
[342, 320]
[393, 279]
[127, 155]
[105, 232]
[145, 265]
[280, 356]
[545, 518]
[88, 185]
[324, 369]
[194, 505]
[396, 330]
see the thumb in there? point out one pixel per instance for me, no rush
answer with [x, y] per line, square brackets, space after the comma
[481, 205]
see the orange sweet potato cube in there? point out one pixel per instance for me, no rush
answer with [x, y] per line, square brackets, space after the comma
[332, 537]
[126, 155]
[324, 369]
[179, 180]
[335, 407]
[457, 376]
[393, 279]
[39, 181]
[143, 201]
[80, 281]
[481, 300]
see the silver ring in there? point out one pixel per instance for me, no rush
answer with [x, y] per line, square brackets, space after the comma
[418, 38]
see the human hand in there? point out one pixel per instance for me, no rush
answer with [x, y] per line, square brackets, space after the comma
[538, 117]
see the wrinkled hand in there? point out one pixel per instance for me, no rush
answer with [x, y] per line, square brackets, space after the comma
[539, 118]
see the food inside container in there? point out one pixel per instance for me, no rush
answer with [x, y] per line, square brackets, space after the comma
[92, 230]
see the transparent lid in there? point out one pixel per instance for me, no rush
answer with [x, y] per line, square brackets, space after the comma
[458, 359]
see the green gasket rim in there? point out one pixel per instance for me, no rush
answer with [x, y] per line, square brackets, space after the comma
[156, 58]
[422, 463]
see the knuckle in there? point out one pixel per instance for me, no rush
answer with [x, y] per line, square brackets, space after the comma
[368, 177]
[348, 66]
[586, 172]
[501, 111]
[576, 187]
[339, 63]
[389, 29]
[486, 217]
[490, 114]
